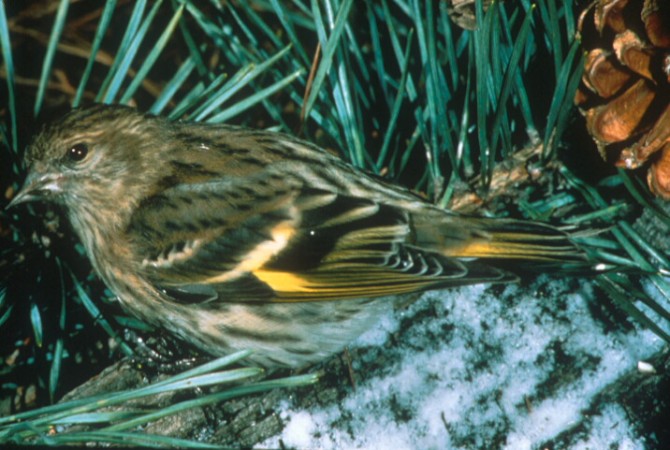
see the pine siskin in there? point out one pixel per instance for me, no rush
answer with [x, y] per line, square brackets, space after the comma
[234, 239]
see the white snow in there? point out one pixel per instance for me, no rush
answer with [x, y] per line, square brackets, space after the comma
[471, 368]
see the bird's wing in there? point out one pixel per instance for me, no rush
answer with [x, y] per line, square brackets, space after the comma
[263, 239]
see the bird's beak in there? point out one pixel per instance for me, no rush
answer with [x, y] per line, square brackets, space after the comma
[37, 187]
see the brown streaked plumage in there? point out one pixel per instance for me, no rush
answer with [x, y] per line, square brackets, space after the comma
[234, 238]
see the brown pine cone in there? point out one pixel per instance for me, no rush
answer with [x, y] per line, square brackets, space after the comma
[625, 90]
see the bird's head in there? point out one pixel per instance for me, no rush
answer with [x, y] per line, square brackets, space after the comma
[94, 159]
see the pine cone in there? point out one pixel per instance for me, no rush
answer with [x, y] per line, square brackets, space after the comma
[625, 89]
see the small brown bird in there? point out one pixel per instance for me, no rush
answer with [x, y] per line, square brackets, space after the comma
[235, 239]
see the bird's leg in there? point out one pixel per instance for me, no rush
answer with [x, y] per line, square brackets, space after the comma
[161, 354]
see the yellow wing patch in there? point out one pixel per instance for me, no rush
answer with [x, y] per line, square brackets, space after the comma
[327, 286]
[284, 281]
[261, 254]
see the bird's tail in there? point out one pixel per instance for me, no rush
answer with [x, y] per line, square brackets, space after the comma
[531, 244]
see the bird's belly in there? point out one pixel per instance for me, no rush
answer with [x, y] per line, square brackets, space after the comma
[288, 334]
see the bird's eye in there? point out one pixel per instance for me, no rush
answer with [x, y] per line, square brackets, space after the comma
[77, 152]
